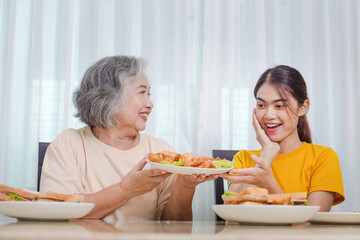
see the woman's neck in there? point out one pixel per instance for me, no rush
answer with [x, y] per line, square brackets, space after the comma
[116, 138]
[290, 144]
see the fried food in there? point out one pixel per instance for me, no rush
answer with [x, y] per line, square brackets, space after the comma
[167, 156]
[185, 159]
[202, 162]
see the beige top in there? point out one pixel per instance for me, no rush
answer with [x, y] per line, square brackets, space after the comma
[78, 162]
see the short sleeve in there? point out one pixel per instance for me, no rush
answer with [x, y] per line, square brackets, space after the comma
[243, 159]
[61, 171]
[327, 175]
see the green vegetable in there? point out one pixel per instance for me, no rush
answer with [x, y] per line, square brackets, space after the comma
[229, 194]
[223, 163]
[15, 196]
[299, 203]
[178, 163]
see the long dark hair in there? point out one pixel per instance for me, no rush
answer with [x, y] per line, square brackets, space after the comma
[288, 80]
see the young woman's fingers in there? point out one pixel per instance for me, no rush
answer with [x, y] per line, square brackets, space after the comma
[238, 179]
[258, 160]
[255, 121]
[243, 171]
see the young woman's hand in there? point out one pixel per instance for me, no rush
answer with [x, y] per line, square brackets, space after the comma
[260, 176]
[270, 148]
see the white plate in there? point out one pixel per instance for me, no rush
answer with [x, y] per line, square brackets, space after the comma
[54, 211]
[188, 170]
[336, 217]
[266, 214]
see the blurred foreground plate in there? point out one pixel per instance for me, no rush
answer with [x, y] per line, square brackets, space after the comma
[188, 170]
[337, 217]
[266, 214]
[45, 211]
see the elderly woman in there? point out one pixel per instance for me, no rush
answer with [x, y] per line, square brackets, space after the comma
[104, 161]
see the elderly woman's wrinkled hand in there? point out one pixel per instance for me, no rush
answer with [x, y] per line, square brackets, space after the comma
[139, 181]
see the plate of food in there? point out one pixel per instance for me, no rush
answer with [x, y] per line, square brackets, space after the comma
[336, 217]
[44, 211]
[266, 214]
[187, 164]
[41, 206]
[255, 205]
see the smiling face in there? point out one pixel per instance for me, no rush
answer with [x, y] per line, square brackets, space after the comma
[137, 107]
[278, 115]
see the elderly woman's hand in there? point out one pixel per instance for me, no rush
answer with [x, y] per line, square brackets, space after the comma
[139, 181]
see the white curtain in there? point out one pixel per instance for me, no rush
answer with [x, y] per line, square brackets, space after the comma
[204, 59]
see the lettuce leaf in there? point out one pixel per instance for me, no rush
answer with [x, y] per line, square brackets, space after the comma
[223, 163]
[229, 194]
[299, 203]
[15, 196]
[178, 163]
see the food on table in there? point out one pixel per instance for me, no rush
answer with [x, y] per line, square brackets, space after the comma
[8, 193]
[186, 160]
[59, 197]
[253, 196]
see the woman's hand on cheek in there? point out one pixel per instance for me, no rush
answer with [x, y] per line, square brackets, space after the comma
[191, 181]
[270, 148]
[139, 181]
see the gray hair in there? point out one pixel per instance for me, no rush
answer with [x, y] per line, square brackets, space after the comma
[103, 89]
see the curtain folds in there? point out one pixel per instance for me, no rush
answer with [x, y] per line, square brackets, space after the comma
[204, 58]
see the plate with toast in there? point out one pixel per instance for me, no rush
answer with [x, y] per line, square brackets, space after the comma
[188, 164]
[26, 204]
[255, 205]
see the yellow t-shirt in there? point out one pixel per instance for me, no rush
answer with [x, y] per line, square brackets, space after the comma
[309, 168]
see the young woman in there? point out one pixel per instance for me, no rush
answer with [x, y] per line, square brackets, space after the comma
[288, 161]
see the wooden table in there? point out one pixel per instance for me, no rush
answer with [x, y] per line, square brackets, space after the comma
[10, 228]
